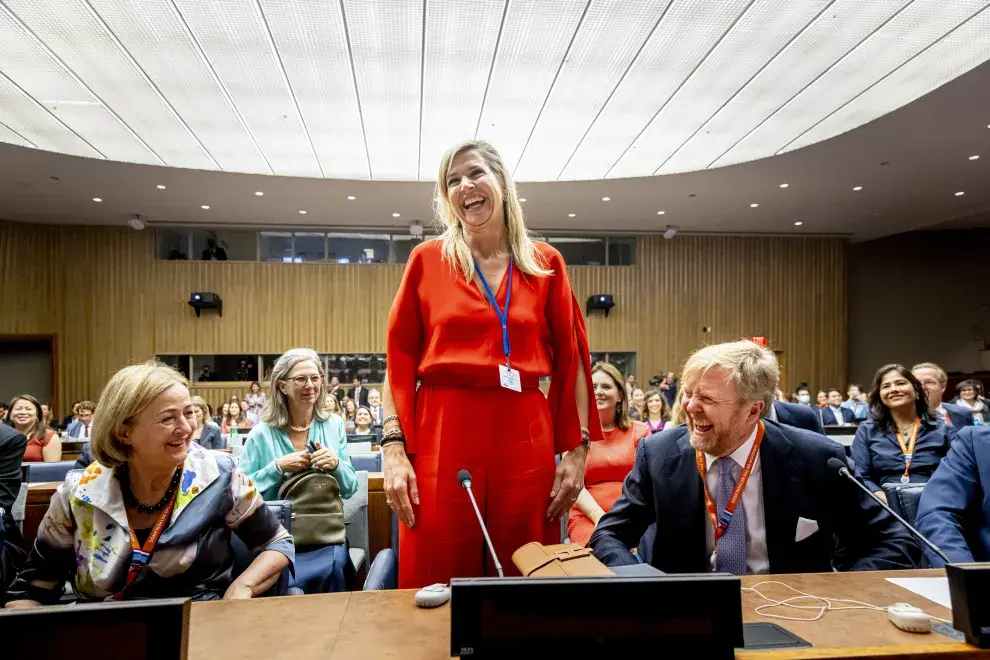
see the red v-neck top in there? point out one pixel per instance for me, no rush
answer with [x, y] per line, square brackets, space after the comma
[443, 331]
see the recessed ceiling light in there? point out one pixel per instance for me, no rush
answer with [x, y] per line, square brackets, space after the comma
[302, 213]
[97, 199]
[798, 223]
[205, 207]
[606, 199]
[858, 188]
[351, 197]
[975, 157]
[785, 185]
[161, 187]
[753, 206]
[570, 215]
[395, 215]
[661, 212]
[960, 193]
[522, 199]
[258, 193]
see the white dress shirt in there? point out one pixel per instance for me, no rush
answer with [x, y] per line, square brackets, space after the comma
[757, 560]
[838, 415]
[85, 430]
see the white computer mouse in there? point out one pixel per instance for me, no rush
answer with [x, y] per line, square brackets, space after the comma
[434, 595]
[909, 618]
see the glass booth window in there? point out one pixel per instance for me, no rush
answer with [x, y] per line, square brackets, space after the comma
[225, 368]
[309, 246]
[172, 244]
[624, 362]
[226, 245]
[178, 362]
[622, 251]
[358, 248]
[276, 246]
[368, 367]
[580, 251]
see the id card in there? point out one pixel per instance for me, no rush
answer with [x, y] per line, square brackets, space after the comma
[509, 378]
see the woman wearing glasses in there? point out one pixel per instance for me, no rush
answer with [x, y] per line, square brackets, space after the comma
[295, 417]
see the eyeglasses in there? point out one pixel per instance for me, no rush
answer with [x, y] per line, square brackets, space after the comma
[301, 381]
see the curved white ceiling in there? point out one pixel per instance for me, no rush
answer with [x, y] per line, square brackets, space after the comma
[378, 89]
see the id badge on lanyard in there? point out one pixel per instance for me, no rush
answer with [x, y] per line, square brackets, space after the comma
[507, 376]
[907, 448]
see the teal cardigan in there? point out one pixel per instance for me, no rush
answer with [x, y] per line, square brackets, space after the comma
[265, 444]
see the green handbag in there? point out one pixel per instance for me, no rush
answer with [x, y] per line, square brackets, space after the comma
[317, 508]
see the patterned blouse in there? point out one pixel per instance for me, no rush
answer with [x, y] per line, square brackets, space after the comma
[84, 536]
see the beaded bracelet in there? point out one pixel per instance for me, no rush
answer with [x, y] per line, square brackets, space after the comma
[390, 418]
[392, 440]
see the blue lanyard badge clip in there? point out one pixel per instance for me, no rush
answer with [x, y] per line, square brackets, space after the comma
[508, 377]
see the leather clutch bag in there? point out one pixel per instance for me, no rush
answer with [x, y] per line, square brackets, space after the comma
[564, 560]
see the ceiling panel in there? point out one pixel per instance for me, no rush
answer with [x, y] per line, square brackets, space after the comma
[72, 31]
[7, 135]
[916, 27]
[960, 51]
[386, 43]
[460, 44]
[234, 36]
[534, 40]
[753, 41]
[153, 33]
[833, 34]
[610, 36]
[656, 75]
[23, 114]
[312, 42]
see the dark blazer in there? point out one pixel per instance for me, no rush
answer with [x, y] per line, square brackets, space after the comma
[337, 393]
[798, 416]
[12, 444]
[879, 460]
[211, 438]
[954, 512]
[958, 416]
[363, 396]
[85, 457]
[664, 487]
[827, 416]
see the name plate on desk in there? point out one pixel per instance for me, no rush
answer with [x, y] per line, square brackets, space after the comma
[969, 589]
[131, 630]
[698, 615]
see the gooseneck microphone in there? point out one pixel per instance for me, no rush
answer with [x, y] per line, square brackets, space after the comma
[464, 478]
[843, 469]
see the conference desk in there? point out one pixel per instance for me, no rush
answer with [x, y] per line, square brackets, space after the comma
[386, 624]
[379, 515]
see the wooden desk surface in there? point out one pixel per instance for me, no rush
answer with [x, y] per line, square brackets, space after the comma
[387, 624]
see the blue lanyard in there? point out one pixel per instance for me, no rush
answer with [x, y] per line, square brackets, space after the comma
[503, 317]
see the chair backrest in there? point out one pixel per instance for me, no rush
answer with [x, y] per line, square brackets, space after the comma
[904, 499]
[242, 554]
[367, 462]
[37, 472]
[356, 514]
[283, 511]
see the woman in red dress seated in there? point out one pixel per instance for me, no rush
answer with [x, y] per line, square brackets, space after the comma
[482, 313]
[610, 459]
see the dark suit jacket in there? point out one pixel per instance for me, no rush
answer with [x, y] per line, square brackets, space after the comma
[337, 393]
[211, 438]
[798, 416]
[363, 396]
[958, 416]
[664, 487]
[954, 512]
[85, 458]
[12, 444]
[828, 417]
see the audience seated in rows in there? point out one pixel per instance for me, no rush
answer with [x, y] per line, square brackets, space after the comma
[255, 400]
[297, 433]
[43, 444]
[363, 422]
[797, 415]
[609, 459]
[954, 512]
[375, 407]
[856, 404]
[968, 397]
[793, 506]
[82, 427]
[205, 432]
[833, 414]
[148, 470]
[349, 412]
[234, 418]
[901, 425]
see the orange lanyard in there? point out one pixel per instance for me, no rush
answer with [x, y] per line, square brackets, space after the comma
[907, 448]
[142, 554]
[721, 523]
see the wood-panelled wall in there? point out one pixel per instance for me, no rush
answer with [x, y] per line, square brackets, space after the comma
[110, 303]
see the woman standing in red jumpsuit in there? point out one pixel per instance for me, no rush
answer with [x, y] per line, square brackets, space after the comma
[478, 405]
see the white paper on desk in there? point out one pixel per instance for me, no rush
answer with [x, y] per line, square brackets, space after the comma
[935, 589]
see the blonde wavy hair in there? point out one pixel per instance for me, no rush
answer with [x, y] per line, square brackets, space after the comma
[454, 245]
[128, 392]
[752, 368]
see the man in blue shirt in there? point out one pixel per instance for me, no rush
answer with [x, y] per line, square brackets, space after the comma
[933, 378]
[859, 409]
[954, 512]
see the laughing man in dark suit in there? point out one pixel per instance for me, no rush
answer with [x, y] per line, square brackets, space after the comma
[791, 507]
